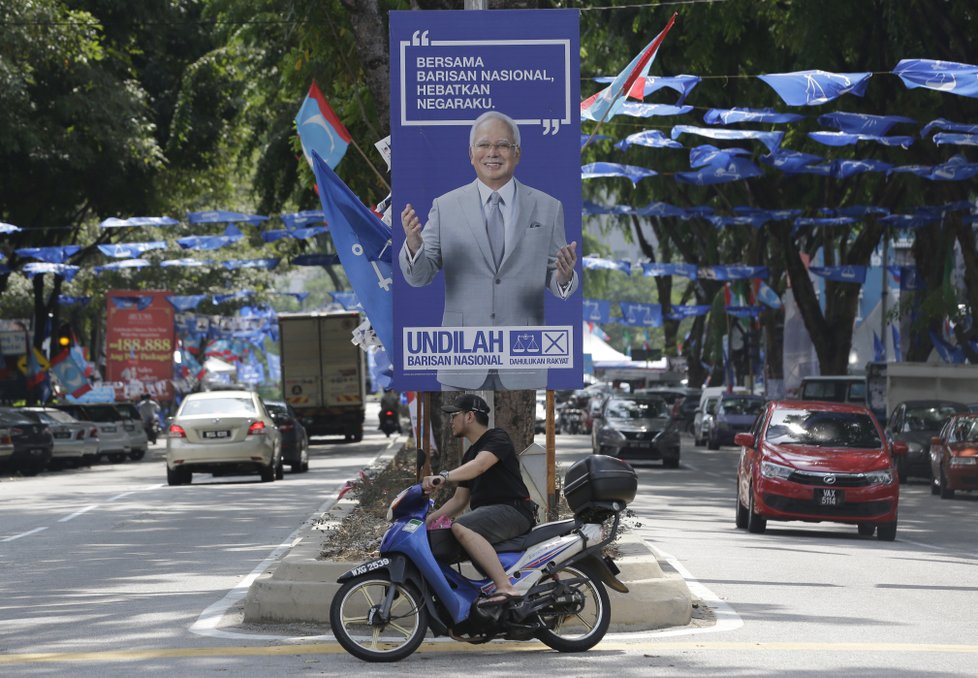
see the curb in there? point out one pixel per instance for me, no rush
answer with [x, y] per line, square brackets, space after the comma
[301, 586]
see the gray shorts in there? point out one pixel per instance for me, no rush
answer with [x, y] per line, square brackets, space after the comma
[496, 522]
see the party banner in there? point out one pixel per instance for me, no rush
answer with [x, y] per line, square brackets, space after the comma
[479, 298]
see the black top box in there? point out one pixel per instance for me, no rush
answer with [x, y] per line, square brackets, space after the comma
[599, 485]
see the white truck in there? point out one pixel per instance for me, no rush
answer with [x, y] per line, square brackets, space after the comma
[889, 384]
[323, 373]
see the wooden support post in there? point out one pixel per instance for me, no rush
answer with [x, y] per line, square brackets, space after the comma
[551, 459]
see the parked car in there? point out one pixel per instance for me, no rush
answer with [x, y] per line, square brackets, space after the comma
[735, 413]
[818, 461]
[685, 410]
[74, 442]
[32, 441]
[295, 441]
[223, 433]
[113, 440]
[703, 420]
[915, 422]
[954, 456]
[6, 447]
[636, 427]
[132, 423]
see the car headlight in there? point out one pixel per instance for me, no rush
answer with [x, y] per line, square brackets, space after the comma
[772, 470]
[964, 461]
[914, 448]
[612, 434]
[879, 477]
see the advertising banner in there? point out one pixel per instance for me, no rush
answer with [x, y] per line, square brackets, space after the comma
[486, 210]
[139, 342]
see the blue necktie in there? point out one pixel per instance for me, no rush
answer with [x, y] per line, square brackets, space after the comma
[496, 229]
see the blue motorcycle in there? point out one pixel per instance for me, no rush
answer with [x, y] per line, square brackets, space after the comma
[424, 581]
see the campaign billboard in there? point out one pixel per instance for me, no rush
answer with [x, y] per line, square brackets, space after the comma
[486, 238]
[139, 342]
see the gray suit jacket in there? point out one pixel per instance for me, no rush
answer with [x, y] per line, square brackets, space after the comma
[476, 294]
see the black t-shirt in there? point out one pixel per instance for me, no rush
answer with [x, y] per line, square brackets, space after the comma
[502, 483]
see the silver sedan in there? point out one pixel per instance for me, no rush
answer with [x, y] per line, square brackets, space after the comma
[222, 433]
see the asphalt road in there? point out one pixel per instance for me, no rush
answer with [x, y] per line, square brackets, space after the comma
[108, 572]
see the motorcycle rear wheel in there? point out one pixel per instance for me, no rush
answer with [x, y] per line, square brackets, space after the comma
[391, 641]
[584, 629]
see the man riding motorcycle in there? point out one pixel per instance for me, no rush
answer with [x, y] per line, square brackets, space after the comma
[149, 412]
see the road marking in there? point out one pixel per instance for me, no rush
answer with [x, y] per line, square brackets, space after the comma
[24, 534]
[78, 513]
[210, 619]
[495, 647]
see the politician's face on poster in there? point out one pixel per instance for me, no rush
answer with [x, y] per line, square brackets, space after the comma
[467, 302]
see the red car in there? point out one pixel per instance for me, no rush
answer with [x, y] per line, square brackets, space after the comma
[954, 456]
[818, 461]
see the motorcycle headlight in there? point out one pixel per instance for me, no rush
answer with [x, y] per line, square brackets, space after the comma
[879, 477]
[393, 506]
[772, 470]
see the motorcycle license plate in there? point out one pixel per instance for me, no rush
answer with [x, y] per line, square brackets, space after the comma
[828, 497]
[370, 567]
[217, 434]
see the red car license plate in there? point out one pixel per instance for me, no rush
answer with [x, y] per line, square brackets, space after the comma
[828, 497]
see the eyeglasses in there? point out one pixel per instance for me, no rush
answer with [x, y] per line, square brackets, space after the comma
[455, 414]
[499, 146]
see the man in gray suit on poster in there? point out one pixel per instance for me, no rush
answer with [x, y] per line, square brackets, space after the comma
[500, 244]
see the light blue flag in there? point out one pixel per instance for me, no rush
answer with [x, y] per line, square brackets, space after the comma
[652, 138]
[185, 302]
[131, 250]
[600, 264]
[850, 139]
[943, 76]
[66, 271]
[790, 161]
[641, 110]
[654, 270]
[813, 88]
[186, 263]
[955, 139]
[363, 243]
[211, 242]
[224, 217]
[51, 255]
[846, 274]
[948, 126]
[770, 139]
[294, 220]
[596, 170]
[130, 222]
[736, 170]
[730, 116]
[732, 272]
[679, 312]
[711, 156]
[9, 228]
[862, 123]
[266, 263]
[122, 265]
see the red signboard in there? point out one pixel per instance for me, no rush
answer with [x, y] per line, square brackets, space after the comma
[139, 342]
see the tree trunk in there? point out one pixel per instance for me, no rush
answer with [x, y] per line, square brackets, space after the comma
[371, 34]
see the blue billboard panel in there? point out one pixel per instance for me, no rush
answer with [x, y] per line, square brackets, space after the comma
[485, 140]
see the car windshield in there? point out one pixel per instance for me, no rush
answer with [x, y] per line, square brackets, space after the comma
[620, 408]
[823, 429]
[103, 415]
[228, 407]
[275, 408]
[965, 431]
[56, 417]
[14, 417]
[927, 418]
[740, 406]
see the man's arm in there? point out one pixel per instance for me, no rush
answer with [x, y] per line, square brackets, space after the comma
[420, 255]
[562, 278]
[452, 507]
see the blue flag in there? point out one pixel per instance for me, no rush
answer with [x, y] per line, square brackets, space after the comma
[813, 88]
[597, 310]
[729, 116]
[320, 130]
[943, 76]
[897, 351]
[879, 349]
[363, 243]
[846, 274]
[634, 174]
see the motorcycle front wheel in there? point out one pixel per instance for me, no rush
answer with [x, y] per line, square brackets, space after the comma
[354, 617]
[577, 626]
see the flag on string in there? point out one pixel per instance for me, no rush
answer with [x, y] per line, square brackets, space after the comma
[363, 243]
[943, 76]
[70, 374]
[608, 102]
[320, 130]
[813, 88]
